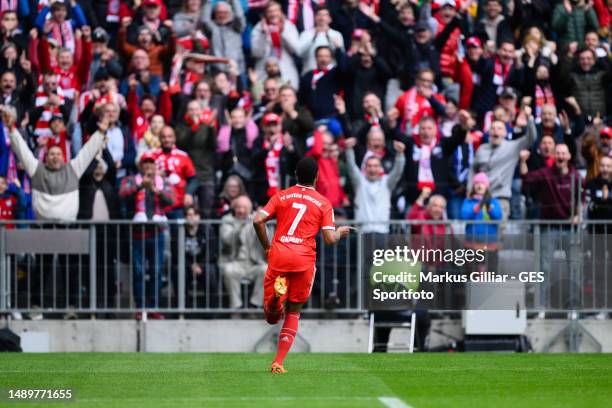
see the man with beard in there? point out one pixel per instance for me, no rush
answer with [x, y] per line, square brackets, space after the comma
[588, 83]
[13, 95]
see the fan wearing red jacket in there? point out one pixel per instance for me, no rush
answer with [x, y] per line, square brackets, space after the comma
[300, 213]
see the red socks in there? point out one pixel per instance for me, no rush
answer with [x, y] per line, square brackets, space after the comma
[286, 336]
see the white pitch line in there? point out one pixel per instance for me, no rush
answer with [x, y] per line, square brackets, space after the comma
[393, 402]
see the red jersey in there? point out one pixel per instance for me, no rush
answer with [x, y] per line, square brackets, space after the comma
[300, 213]
[177, 168]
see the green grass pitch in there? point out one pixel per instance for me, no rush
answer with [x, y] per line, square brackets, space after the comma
[314, 380]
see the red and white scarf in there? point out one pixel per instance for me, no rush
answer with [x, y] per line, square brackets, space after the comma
[543, 96]
[42, 125]
[110, 97]
[194, 125]
[317, 74]
[426, 178]
[415, 108]
[63, 34]
[6, 5]
[140, 205]
[176, 66]
[112, 11]
[500, 73]
[272, 166]
[189, 81]
[188, 43]
[275, 37]
[373, 120]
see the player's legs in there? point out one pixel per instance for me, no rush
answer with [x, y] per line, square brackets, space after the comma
[300, 285]
[275, 293]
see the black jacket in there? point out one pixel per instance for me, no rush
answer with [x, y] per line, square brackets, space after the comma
[600, 208]
[320, 100]
[88, 188]
[484, 96]
[361, 80]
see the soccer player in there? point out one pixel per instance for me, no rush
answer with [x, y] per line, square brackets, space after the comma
[300, 212]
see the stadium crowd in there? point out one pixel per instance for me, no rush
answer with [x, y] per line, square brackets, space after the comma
[158, 109]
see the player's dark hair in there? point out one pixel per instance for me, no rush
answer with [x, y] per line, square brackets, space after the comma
[306, 171]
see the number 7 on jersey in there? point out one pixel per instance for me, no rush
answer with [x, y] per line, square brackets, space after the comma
[301, 210]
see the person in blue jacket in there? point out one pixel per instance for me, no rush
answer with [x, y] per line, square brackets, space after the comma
[479, 205]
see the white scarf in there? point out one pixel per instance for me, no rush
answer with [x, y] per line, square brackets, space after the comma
[317, 74]
[425, 174]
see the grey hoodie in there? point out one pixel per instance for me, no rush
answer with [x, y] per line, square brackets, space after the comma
[499, 162]
[373, 198]
[55, 193]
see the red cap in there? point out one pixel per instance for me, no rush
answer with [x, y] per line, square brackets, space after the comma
[270, 118]
[606, 132]
[474, 42]
[147, 156]
[157, 3]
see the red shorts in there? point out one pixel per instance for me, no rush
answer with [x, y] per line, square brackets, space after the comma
[299, 285]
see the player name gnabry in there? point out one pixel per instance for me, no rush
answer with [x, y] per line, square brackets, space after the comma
[290, 239]
[302, 196]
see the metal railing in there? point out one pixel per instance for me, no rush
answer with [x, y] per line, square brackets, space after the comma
[123, 267]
